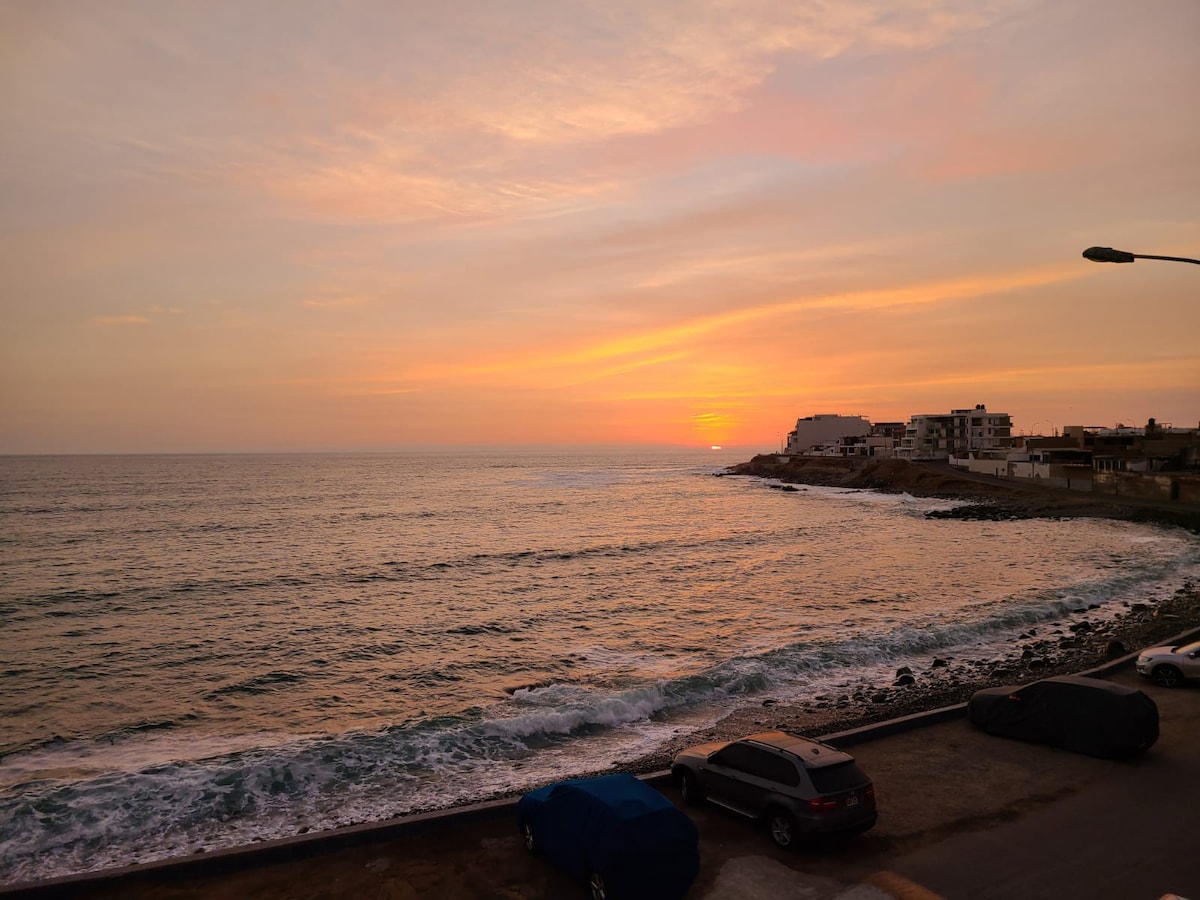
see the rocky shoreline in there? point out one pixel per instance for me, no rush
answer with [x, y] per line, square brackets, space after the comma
[1075, 644]
[986, 497]
[1068, 646]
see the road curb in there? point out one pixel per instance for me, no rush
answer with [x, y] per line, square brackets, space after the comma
[301, 846]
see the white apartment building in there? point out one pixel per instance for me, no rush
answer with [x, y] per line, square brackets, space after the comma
[960, 433]
[824, 429]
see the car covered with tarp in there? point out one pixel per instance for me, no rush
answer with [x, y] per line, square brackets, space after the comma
[615, 833]
[1073, 712]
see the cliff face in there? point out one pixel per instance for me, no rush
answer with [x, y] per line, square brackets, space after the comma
[894, 475]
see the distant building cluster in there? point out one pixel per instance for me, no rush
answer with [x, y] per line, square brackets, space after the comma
[940, 436]
[1082, 458]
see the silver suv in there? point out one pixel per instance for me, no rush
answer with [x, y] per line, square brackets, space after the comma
[799, 787]
[1170, 666]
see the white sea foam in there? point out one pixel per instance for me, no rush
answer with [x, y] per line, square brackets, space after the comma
[77, 760]
[902, 499]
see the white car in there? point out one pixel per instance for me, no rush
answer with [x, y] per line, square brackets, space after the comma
[1170, 666]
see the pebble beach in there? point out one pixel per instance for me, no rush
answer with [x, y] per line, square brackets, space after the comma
[1065, 648]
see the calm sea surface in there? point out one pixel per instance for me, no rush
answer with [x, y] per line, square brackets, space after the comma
[202, 651]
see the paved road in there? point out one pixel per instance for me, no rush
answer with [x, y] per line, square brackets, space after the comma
[1133, 833]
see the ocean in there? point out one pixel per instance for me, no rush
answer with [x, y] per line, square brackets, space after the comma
[205, 651]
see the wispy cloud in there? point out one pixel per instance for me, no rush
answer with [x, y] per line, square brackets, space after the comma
[401, 123]
[109, 321]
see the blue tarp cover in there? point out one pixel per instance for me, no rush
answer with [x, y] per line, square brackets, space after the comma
[618, 826]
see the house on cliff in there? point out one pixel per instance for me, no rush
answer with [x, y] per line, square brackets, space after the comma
[812, 432]
[1154, 462]
[1051, 461]
[1158, 463]
[957, 434]
[1151, 462]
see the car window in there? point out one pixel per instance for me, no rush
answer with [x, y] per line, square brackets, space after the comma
[779, 769]
[736, 756]
[760, 763]
[841, 777]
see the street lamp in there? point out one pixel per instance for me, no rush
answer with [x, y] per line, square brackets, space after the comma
[1108, 254]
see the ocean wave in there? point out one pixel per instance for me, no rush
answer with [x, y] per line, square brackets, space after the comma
[258, 684]
[398, 571]
[497, 627]
[50, 827]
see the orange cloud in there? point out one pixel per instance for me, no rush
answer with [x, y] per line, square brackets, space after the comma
[643, 345]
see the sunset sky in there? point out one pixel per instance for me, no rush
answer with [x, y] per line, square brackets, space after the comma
[382, 224]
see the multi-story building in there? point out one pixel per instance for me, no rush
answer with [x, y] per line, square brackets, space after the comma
[826, 428]
[957, 434]
[880, 443]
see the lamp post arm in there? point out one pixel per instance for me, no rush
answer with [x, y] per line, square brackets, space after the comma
[1171, 258]
[1109, 255]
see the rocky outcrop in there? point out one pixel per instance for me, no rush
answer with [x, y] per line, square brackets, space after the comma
[988, 498]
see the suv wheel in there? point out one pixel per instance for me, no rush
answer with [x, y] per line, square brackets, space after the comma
[1167, 676]
[782, 825]
[689, 788]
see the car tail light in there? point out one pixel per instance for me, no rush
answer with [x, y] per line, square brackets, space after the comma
[816, 804]
[869, 793]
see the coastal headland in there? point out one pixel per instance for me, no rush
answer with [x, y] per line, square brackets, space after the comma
[988, 497]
